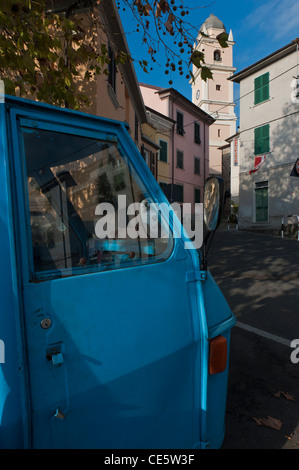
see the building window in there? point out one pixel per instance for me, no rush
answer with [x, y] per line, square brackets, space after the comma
[153, 165]
[218, 87]
[180, 123]
[219, 132]
[180, 159]
[196, 195]
[217, 56]
[179, 193]
[197, 133]
[112, 69]
[262, 139]
[145, 154]
[261, 88]
[163, 151]
[196, 166]
[163, 186]
[262, 202]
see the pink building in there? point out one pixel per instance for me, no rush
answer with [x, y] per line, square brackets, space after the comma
[187, 152]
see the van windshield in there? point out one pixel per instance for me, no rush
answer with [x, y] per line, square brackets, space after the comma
[88, 207]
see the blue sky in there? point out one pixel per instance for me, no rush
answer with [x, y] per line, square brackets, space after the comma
[259, 28]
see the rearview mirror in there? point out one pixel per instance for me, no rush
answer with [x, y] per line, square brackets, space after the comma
[213, 202]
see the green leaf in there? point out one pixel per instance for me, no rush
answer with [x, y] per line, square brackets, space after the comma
[9, 86]
[67, 81]
[196, 58]
[222, 38]
[206, 73]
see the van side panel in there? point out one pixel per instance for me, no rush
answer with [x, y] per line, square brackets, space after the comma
[11, 426]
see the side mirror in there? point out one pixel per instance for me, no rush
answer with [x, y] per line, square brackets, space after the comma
[213, 202]
[212, 210]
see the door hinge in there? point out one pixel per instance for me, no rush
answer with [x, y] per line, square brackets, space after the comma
[193, 276]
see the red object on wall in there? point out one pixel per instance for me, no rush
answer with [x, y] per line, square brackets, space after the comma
[258, 163]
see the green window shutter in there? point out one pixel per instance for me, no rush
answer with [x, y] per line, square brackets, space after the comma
[163, 151]
[257, 141]
[261, 204]
[261, 88]
[262, 139]
[266, 138]
[257, 90]
[265, 87]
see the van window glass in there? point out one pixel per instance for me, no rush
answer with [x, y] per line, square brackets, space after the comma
[68, 179]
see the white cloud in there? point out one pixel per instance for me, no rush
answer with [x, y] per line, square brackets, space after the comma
[276, 18]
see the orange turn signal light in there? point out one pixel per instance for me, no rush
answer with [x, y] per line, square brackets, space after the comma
[217, 355]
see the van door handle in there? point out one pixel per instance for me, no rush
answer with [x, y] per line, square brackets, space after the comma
[55, 355]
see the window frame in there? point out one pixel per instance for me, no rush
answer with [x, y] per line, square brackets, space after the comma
[78, 127]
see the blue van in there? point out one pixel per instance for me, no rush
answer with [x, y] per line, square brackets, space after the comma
[111, 343]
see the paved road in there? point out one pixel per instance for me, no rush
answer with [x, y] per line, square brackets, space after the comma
[259, 276]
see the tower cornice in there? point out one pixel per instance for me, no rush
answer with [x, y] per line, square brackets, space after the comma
[211, 40]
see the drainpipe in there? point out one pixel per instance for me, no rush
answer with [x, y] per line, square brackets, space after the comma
[204, 153]
[172, 164]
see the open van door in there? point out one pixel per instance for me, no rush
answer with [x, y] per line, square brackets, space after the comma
[113, 335]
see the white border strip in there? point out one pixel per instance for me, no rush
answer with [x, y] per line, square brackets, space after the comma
[2, 92]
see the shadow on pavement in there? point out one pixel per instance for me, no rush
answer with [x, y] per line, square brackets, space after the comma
[259, 276]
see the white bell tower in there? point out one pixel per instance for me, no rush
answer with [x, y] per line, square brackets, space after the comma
[216, 96]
